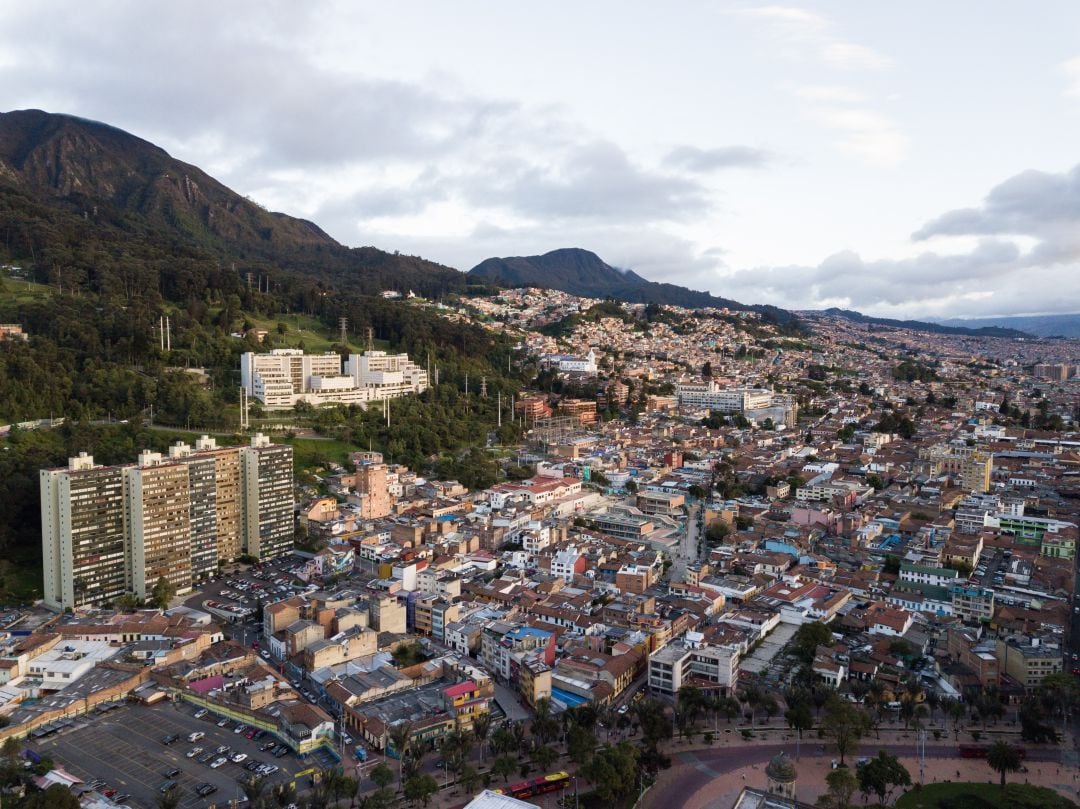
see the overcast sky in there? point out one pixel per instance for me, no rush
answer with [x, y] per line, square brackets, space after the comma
[904, 159]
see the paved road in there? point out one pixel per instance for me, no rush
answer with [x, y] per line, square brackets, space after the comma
[693, 770]
[688, 545]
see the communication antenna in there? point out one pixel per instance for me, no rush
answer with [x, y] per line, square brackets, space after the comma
[483, 387]
[343, 328]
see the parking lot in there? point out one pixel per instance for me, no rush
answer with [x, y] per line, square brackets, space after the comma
[124, 749]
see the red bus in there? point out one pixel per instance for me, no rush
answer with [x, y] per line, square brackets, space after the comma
[537, 786]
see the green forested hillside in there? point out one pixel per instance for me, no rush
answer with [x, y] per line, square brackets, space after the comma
[99, 241]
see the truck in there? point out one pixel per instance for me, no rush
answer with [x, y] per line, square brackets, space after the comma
[361, 753]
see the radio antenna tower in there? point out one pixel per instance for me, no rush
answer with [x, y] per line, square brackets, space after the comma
[343, 326]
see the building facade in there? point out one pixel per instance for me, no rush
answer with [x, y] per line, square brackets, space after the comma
[117, 530]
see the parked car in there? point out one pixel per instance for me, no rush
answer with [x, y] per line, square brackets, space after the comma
[194, 737]
[205, 758]
[217, 762]
[270, 745]
[166, 787]
[172, 737]
[202, 790]
[240, 728]
[222, 749]
[199, 714]
[236, 758]
[172, 772]
[194, 751]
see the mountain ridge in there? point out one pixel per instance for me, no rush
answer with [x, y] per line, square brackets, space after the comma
[1065, 325]
[581, 272]
[918, 325]
[118, 180]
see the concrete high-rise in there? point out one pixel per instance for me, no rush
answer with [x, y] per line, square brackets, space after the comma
[84, 545]
[158, 495]
[110, 531]
[267, 476]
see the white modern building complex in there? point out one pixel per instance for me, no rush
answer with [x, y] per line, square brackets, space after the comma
[286, 376]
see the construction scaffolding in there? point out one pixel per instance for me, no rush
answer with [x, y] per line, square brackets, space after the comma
[555, 431]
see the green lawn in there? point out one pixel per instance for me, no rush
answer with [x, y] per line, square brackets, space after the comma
[983, 796]
[310, 453]
[20, 291]
[308, 330]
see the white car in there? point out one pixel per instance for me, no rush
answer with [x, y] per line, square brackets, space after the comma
[194, 737]
[194, 751]
[236, 758]
[217, 762]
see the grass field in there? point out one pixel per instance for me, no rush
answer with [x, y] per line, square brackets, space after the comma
[20, 291]
[308, 330]
[983, 796]
[311, 453]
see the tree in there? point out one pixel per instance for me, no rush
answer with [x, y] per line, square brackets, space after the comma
[420, 788]
[841, 784]
[799, 717]
[166, 800]
[544, 756]
[382, 775]
[580, 744]
[613, 771]
[1003, 758]
[59, 796]
[875, 482]
[253, 787]
[881, 775]
[544, 725]
[469, 778]
[808, 638]
[481, 727]
[163, 592]
[844, 724]
[503, 766]
[717, 532]
[401, 740]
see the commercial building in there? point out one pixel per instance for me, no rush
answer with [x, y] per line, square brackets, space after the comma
[284, 377]
[108, 531]
[709, 395]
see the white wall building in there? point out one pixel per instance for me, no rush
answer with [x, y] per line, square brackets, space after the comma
[286, 376]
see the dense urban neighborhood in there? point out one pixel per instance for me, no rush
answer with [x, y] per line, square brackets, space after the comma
[705, 536]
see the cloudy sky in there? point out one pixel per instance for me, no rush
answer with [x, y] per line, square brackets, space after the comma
[905, 159]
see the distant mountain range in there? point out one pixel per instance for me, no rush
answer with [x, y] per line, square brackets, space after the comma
[581, 272]
[1039, 325]
[917, 325]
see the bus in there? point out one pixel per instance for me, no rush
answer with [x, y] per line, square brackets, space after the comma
[537, 786]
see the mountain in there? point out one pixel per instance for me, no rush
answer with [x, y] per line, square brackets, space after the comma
[115, 180]
[581, 272]
[916, 325]
[1039, 325]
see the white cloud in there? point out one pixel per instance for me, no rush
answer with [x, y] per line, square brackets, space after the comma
[1071, 69]
[849, 56]
[872, 137]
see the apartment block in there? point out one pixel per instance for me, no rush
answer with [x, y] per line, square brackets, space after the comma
[268, 497]
[111, 531]
[158, 505]
[84, 543]
[373, 490]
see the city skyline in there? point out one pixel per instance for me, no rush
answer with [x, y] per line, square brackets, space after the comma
[911, 162]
